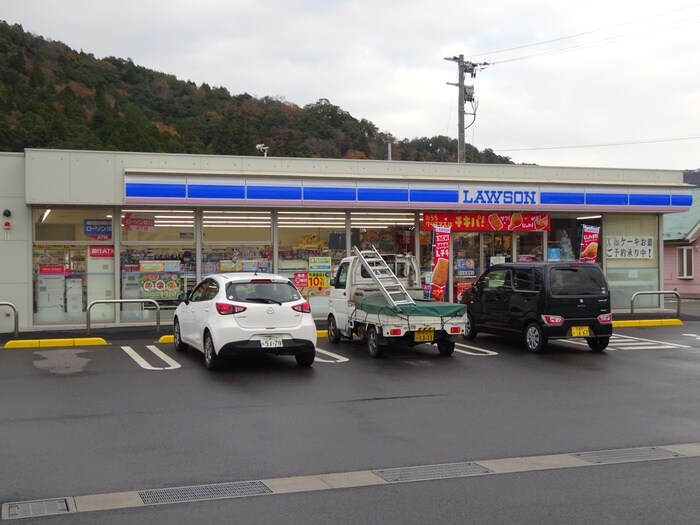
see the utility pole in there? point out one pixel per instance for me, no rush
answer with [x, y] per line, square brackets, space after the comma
[464, 94]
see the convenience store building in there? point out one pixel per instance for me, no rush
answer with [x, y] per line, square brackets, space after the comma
[84, 226]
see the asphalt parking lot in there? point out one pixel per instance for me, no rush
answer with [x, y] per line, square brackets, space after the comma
[121, 442]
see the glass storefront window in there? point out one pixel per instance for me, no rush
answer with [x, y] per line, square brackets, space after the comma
[72, 264]
[528, 246]
[465, 249]
[236, 241]
[497, 248]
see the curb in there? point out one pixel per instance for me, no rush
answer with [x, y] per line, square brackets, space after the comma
[48, 343]
[636, 323]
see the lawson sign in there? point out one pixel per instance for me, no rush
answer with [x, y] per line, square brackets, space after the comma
[98, 229]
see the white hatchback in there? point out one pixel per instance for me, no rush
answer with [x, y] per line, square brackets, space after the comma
[230, 313]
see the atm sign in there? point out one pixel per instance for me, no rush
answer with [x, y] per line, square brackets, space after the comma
[102, 251]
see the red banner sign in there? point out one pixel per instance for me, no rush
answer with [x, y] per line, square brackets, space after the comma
[497, 221]
[589, 243]
[441, 262]
[102, 251]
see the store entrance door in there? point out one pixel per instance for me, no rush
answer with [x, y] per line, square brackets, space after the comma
[465, 270]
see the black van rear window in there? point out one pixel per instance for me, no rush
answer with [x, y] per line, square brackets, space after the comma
[580, 280]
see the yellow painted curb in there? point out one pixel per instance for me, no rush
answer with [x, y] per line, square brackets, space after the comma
[636, 323]
[52, 343]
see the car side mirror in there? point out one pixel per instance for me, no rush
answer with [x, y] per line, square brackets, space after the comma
[184, 297]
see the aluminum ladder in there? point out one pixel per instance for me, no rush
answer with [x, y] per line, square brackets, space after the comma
[388, 283]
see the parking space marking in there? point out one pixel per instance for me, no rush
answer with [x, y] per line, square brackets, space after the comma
[336, 358]
[145, 365]
[474, 350]
[626, 342]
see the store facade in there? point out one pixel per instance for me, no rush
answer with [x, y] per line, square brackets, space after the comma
[87, 228]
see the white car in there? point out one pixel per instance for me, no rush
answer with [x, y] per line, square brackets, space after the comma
[230, 313]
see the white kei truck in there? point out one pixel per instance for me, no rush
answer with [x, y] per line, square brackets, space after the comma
[379, 299]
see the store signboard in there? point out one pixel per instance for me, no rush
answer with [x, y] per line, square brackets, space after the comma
[98, 229]
[475, 221]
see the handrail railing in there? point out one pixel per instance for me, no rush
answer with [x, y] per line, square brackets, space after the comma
[121, 301]
[14, 309]
[671, 292]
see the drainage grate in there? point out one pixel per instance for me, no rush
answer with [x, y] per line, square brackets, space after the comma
[626, 455]
[32, 509]
[452, 470]
[203, 492]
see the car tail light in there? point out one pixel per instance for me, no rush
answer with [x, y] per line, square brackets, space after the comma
[605, 318]
[229, 309]
[455, 330]
[395, 331]
[304, 307]
[260, 281]
[553, 319]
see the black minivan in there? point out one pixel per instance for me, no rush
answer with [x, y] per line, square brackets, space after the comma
[541, 301]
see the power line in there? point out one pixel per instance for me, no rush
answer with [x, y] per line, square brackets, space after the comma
[603, 145]
[634, 34]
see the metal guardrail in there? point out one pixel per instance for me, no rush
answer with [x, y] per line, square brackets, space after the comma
[14, 309]
[121, 301]
[671, 292]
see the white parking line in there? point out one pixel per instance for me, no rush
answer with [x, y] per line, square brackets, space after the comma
[336, 358]
[477, 351]
[145, 365]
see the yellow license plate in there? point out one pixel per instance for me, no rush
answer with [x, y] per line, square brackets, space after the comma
[580, 331]
[424, 336]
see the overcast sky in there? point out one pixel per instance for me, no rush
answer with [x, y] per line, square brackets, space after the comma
[617, 79]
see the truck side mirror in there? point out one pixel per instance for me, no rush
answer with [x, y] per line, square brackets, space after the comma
[333, 282]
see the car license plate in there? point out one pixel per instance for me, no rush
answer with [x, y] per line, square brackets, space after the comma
[424, 336]
[579, 331]
[270, 341]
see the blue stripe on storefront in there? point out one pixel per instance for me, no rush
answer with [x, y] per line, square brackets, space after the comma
[434, 196]
[286, 193]
[215, 191]
[648, 199]
[139, 189]
[382, 195]
[553, 198]
[330, 194]
[607, 199]
[682, 200]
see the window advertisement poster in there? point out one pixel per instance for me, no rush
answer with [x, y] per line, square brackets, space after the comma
[98, 229]
[160, 279]
[589, 243]
[320, 264]
[500, 221]
[630, 246]
[441, 256]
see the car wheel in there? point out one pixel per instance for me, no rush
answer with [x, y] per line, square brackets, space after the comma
[373, 346]
[333, 332]
[534, 338]
[469, 328]
[446, 346]
[598, 344]
[177, 338]
[306, 359]
[211, 360]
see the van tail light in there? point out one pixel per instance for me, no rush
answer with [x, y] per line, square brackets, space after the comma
[229, 309]
[605, 318]
[552, 320]
[304, 308]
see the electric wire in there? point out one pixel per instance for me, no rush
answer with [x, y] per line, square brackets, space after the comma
[602, 145]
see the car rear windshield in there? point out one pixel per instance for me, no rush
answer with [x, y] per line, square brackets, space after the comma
[262, 292]
[579, 280]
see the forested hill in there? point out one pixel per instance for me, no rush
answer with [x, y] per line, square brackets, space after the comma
[52, 96]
